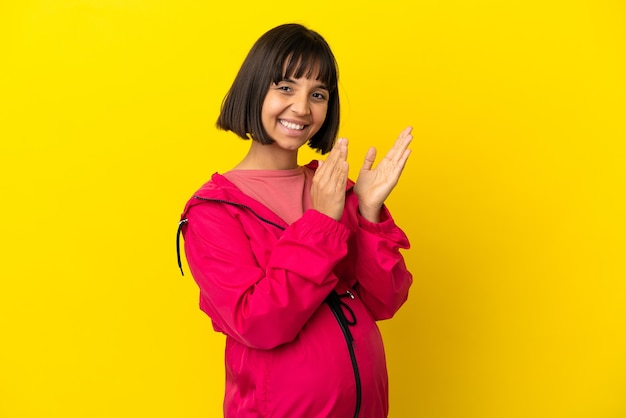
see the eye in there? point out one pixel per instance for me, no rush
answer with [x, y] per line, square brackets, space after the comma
[320, 96]
[283, 87]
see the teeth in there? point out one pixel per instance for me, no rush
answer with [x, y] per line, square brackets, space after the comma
[291, 125]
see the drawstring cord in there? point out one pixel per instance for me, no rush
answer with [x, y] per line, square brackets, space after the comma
[345, 306]
[184, 221]
[339, 307]
[178, 232]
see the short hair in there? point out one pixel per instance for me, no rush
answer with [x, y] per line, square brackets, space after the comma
[289, 50]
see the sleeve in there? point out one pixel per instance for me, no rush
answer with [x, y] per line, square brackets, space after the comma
[262, 306]
[383, 280]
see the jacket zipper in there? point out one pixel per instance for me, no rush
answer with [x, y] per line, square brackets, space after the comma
[333, 300]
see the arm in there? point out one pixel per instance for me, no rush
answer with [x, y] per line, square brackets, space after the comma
[383, 280]
[262, 306]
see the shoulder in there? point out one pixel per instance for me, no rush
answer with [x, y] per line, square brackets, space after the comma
[217, 185]
[218, 188]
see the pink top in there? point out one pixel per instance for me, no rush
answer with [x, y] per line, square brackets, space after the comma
[276, 189]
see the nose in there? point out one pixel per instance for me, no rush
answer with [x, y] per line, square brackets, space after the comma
[300, 104]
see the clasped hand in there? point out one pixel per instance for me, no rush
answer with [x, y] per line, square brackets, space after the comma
[373, 185]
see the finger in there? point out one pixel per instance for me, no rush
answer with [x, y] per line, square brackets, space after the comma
[405, 158]
[332, 170]
[399, 145]
[341, 142]
[370, 157]
[340, 171]
[405, 133]
[331, 159]
[342, 176]
[405, 137]
[399, 167]
[340, 152]
[338, 149]
[397, 151]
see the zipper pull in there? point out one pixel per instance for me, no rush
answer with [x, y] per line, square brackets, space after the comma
[350, 294]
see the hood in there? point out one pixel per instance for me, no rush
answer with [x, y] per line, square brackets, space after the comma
[220, 189]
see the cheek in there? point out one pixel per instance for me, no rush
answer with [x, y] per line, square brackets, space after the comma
[266, 112]
[270, 107]
[322, 114]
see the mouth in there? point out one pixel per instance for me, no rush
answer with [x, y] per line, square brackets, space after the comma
[291, 125]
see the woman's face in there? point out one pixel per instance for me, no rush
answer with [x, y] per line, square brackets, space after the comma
[294, 110]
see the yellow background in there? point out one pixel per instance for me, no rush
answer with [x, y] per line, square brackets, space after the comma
[513, 198]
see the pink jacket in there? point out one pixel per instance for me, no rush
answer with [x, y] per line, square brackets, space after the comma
[263, 283]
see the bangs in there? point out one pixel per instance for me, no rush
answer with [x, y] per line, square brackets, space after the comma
[309, 61]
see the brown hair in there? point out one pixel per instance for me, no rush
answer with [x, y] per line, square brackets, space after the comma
[289, 50]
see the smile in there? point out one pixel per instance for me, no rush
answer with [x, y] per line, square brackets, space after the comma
[291, 125]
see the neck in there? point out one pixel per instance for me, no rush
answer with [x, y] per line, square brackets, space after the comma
[268, 157]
